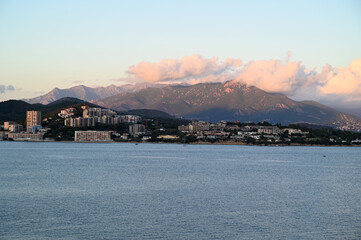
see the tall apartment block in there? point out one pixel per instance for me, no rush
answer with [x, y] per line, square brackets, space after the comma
[136, 129]
[33, 118]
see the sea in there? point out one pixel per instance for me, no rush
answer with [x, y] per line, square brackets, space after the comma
[58, 190]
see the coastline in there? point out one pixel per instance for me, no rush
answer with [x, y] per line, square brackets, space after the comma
[197, 143]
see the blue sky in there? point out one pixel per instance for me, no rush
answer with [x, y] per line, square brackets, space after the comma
[47, 44]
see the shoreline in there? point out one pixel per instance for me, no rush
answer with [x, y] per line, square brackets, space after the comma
[198, 143]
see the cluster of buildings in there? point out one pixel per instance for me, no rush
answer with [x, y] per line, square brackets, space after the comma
[268, 133]
[106, 136]
[92, 116]
[33, 130]
[204, 130]
[222, 131]
[196, 130]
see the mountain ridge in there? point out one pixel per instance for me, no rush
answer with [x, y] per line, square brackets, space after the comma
[88, 93]
[233, 101]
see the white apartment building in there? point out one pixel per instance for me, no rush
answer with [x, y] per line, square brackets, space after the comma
[92, 136]
[136, 129]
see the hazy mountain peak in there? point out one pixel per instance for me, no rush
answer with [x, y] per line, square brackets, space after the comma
[234, 83]
[90, 94]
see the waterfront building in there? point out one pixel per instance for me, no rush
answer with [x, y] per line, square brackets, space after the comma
[26, 136]
[92, 136]
[33, 118]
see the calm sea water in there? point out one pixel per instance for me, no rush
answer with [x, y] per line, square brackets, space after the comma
[165, 191]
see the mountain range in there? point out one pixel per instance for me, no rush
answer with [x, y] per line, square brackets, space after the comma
[212, 102]
[233, 101]
[88, 93]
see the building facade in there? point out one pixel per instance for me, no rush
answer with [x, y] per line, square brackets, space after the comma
[92, 136]
[136, 129]
[33, 118]
[26, 136]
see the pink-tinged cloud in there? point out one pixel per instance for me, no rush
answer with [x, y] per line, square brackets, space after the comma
[276, 76]
[342, 81]
[332, 85]
[185, 69]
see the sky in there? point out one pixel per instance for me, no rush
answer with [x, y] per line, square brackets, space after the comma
[304, 49]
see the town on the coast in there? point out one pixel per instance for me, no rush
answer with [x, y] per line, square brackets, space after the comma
[95, 124]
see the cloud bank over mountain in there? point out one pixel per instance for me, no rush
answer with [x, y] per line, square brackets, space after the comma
[337, 85]
[191, 69]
